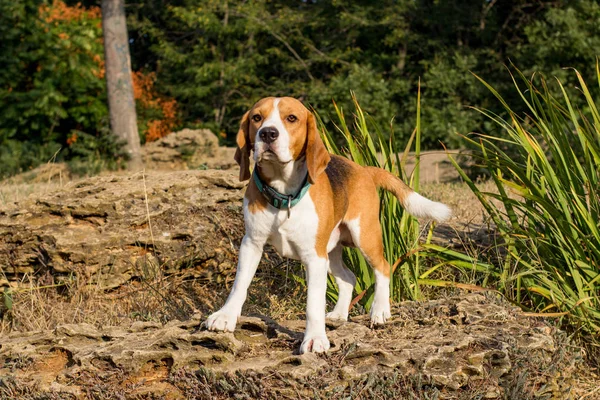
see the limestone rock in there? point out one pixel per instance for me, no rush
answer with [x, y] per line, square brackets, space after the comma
[421, 340]
[187, 149]
[110, 229]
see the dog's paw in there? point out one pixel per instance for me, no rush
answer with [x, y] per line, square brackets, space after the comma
[314, 344]
[380, 313]
[336, 315]
[221, 321]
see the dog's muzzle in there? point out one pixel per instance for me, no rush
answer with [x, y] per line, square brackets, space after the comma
[268, 134]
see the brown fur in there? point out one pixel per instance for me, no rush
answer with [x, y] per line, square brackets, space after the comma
[247, 133]
[317, 156]
[304, 136]
[354, 192]
[363, 203]
[389, 182]
[256, 201]
[341, 189]
[244, 146]
[322, 195]
[299, 131]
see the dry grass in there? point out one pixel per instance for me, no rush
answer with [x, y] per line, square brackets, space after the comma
[44, 179]
[37, 306]
[10, 193]
[274, 291]
[466, 209]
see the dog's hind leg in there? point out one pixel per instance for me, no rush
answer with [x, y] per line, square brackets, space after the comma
[366, 235]
[380, 308]
[345, 280]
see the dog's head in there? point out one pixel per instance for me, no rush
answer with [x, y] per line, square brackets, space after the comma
[280, 130]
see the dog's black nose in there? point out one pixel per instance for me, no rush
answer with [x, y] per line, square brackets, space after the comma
[269, 134]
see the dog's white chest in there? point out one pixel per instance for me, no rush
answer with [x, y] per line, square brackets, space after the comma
[285, 241]
[295, 235]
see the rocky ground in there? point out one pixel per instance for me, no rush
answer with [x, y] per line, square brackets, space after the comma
[187, 149]
[472, 346]
[106, 280]
[111, 229]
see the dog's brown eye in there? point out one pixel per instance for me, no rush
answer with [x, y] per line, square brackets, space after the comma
[292, 118]
[256, 118]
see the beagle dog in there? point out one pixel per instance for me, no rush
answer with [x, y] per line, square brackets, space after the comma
[308, 204]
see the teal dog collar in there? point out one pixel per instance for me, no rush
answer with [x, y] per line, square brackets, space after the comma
[278, 200]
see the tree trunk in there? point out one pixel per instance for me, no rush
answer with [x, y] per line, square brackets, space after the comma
[121, 103]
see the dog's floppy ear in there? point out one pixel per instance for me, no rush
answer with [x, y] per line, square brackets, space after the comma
[242, 153]
[317, 156]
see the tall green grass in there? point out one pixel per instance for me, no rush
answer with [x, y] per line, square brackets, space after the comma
[546, 206]
[546, 168]
[365, 144]
[407, 244]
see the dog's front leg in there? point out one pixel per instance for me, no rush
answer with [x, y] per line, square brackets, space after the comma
[249, 257]
[315, 338]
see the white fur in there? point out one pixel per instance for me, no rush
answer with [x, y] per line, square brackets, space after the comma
[353, 226]
[293, 237]
[422, 207]
[334, 239]
[380, 309]
[284, 178]
[285, 174]
[345, 280]
[315, 337]
[281, 146]
[249, 257]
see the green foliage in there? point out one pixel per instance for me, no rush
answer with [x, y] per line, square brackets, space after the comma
[412, 260]
[218, 57]
[549, 199]
[565, 37]
[50, 80]
[17, 156]
[365, 83]
[92, 154]
[215, 58]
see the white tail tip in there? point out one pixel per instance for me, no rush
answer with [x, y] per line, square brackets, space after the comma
[422, 207]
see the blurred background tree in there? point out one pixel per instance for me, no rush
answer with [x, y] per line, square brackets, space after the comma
[202, 63]
[119, 82]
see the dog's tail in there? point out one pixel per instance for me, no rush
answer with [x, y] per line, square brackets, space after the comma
[412, 201]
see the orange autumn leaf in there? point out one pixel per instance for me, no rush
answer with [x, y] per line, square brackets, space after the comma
[148, 99]
[59, 11]
[72, 139]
